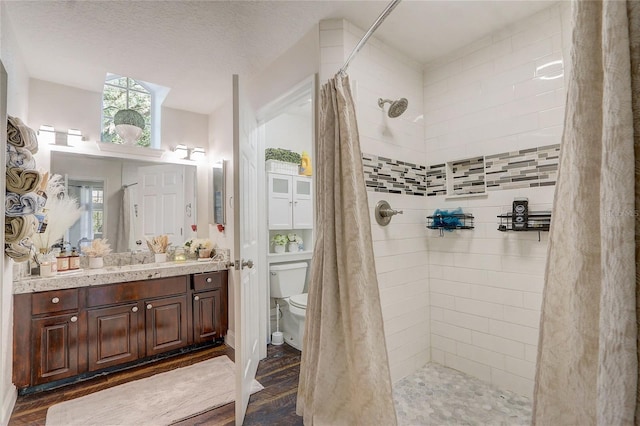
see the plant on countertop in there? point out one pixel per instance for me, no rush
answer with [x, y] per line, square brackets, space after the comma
[99, 248]
[293, 238]
[282, 155]
[279, 240]
[194, 245]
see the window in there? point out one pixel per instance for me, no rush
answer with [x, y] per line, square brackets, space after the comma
[90, 196]
[125, 93]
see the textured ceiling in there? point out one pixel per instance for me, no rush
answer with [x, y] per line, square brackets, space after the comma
[193, 47]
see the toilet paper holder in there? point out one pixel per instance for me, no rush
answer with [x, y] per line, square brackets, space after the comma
[384, 213]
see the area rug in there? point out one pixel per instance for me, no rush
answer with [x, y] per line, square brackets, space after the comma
[157, 400]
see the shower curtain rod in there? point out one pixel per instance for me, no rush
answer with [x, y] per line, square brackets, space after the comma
[368, 34]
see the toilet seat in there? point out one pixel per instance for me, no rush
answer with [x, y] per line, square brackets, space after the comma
[299, 301]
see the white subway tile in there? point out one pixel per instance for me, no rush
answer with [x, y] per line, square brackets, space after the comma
[512, 382]
[533, 301]
[443, 343]
[461, 319]
[528, 317]
[437, 314]
[481, 355]
[520, 367]
[481, 308]
[437, 356]
[531, 353]
[515, 332]
[451, 288]
[450, 331]
[468, 366]
[552, 117]
[331, 38]
[498, 344]
[442, 300]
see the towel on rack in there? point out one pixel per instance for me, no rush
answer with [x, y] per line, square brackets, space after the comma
[21, 205]
[19, 227]
[21, 135]
[19, 251]
[20, 157]
[22, 181]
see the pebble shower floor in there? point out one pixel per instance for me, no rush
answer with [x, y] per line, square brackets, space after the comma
[437, 395]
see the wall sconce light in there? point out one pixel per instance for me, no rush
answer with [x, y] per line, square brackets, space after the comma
[181, 150]
[49, 135]
[196, 154]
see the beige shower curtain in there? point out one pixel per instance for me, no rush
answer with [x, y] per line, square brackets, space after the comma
[587, 370]
[344, 374]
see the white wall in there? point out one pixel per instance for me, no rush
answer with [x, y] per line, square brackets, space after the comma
[17, 105]
[290, 131]
[400, 248]
[486, 286]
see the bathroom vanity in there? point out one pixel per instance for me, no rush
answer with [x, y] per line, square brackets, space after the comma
[76, 326]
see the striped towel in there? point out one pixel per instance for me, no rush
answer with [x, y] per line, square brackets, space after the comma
[21, 205]
[20, 251]
[19, 227]
[20, 157]
[20, 135]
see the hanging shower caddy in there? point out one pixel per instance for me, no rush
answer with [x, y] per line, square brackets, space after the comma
[444, 220]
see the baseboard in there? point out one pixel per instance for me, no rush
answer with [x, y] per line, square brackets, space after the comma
[230, 339]
[8, 402]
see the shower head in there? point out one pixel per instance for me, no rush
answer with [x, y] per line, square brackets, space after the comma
[397, 107]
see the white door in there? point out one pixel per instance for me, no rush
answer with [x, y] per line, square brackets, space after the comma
[302, 203]
[280, 201]
[160, 209]
[246, 293]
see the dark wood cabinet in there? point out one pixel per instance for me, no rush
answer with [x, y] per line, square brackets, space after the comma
[113, 335]
[206, 316]
[63, 333]
[55, 347]
[166, 324]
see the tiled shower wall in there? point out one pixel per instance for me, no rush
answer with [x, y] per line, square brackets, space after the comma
[501, 97]
[400, 248]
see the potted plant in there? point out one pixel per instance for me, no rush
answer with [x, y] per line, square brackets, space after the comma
[294, 243]
[200, 247]
[279, 241]
[96, 252]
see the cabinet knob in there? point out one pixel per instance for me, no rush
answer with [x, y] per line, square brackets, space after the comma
[134, 309]
[196, 298]
[55, 300]
[209, 279]
[149, 306]
[74, 318]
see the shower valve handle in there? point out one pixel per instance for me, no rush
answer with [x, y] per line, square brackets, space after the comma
[390, 212]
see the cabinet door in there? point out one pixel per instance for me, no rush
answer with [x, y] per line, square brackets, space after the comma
[55, 348]
[206, 316]
[166, 324]
[113, 335]
[302, 203]
[280, 201]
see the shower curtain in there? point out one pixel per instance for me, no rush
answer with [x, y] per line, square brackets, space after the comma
[587, 369]
[344, 373]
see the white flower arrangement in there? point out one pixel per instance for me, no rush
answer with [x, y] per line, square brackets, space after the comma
[293, 238]
[99, 248]
[194, 245]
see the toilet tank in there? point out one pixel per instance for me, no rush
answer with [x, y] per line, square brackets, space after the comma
[287, 279]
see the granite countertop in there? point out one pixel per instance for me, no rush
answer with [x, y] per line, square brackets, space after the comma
[114, 274]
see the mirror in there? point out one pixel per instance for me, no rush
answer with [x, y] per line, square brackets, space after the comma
[161, 199]
[219, 172]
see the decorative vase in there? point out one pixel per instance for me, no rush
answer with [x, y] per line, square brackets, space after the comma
[160, 257]
[278, 249]
[96, 262]
[293, 247]
[204, 253]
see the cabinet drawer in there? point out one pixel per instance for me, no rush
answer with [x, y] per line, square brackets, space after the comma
[135, 290]
[209, 280]
[54, 301]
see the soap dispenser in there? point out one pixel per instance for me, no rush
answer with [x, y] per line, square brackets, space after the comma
[305, 164]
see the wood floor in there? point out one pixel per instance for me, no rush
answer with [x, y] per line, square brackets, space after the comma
[275, 405]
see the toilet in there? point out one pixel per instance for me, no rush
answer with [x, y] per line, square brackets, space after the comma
[286, 282]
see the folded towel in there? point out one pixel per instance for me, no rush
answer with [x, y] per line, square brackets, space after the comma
[22, 205]
[20, 157]
[22, 181]
[21, 135]
[20, 251]
[19, 227]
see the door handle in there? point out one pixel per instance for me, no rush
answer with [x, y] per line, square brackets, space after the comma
[247, 263]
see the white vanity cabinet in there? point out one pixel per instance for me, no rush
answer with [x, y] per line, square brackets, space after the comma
[290, 201]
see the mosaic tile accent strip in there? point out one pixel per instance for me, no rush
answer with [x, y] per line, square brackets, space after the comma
[393, 176]
[468, 176]
[526, 168]
[437, 180]
[523, 169]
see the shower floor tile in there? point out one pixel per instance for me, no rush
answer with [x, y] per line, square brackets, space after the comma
[437, 395]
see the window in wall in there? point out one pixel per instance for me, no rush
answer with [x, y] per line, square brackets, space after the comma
[90, 196]
[125, 93]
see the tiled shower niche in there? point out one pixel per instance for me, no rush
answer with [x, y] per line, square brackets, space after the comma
[466, 177]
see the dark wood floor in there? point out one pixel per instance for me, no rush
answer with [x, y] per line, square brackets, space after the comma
[275, 405]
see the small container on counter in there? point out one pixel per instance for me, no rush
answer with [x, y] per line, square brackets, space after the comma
[63, 261]
[74, 260]
[48, 265]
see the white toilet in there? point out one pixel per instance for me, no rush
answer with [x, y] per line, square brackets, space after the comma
[287, 286]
